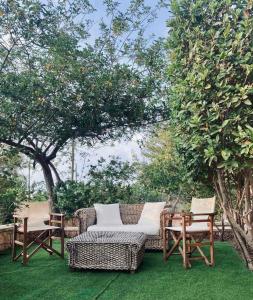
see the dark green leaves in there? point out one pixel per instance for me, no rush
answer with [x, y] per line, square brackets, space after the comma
[211, 49]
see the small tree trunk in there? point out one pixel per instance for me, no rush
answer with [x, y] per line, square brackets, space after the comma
[49, 182]
[243, 238]
[242, 244]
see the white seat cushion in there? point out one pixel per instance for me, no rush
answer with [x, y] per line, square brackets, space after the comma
[151, 212]
[147, 229]
[195, 227]
[108, 214]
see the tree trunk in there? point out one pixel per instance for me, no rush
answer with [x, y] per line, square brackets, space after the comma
[237, 211]
[243, 246]
[49, 182]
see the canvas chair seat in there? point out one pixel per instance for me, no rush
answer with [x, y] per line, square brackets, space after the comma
[37, 227]
[192, 228]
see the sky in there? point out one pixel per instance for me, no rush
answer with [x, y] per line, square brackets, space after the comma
[124, 150]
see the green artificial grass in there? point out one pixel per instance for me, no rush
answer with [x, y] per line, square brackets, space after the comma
[48, 277]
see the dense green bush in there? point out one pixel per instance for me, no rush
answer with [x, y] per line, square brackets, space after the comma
[12, 186]
[72, 195]
[112, 182]
[105, 183]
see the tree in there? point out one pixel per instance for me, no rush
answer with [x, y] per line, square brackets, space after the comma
[163, 169]
[211, 92]
[57, 85]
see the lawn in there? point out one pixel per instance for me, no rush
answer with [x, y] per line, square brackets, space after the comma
[48, 277]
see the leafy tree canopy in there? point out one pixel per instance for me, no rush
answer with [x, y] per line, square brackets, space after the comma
[59, 82]
[164, 169]
[211, 95]
[211, 76]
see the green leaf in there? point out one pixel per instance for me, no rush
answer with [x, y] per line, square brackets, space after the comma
[225, 154]
[225, 123]
[247, 102]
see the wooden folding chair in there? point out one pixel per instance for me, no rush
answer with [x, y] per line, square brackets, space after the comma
[189, 236]
[30, 221]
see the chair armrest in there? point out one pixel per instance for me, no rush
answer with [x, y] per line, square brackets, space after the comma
[206, 214]
[87, 217]
[188, 218]
[20, 217]
[57, 214]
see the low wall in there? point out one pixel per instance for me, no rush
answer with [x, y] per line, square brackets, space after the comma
[71, 226]
[5, 236]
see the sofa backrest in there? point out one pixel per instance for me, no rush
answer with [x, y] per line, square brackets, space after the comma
[130, 213]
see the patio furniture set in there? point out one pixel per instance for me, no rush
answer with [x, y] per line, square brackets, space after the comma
[115, 236]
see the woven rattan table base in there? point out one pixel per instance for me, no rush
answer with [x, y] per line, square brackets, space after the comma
[106, 250]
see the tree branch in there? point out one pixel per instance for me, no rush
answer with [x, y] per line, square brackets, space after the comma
[58, 179]
[22, 148]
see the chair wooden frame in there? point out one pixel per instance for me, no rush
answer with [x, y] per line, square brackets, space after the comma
[44, 239]
[191, 240]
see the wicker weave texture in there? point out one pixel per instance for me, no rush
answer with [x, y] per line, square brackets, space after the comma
[130, 214]
[107, 250]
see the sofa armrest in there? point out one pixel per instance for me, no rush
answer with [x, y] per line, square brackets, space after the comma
[86, 217]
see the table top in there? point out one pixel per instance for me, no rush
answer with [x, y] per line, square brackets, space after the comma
[109, 237]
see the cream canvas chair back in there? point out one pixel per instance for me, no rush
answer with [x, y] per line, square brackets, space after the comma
[37, 212]
[202, 205]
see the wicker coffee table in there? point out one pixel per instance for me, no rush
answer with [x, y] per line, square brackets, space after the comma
[107, 250]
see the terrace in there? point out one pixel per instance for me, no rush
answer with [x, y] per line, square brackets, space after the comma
[173, 77]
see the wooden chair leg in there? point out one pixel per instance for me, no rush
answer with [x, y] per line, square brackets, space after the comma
[185, 259]
[50, 241]
[14, 237]
[165, 244]
[175, 246]
[184, 252]
[62, 236]
[25, 260]
[211, 243]
[188, 243]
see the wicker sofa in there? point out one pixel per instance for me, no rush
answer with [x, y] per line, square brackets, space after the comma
[130, 214]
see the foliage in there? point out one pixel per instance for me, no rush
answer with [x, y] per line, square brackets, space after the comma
[38, 195]
[12, 186]
[163, 170]
[210, 49]
[58, 82]
[72, 195]
[114, 181]
[105, 183]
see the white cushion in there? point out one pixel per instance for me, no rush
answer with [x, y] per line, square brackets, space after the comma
[147, 229]
[195, 227]
[108, 214]
[151, 213]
